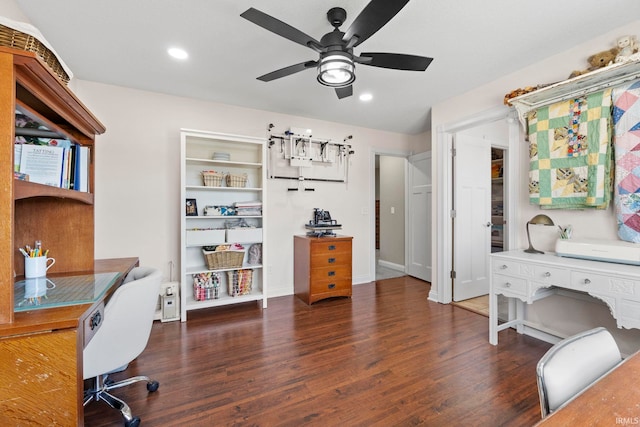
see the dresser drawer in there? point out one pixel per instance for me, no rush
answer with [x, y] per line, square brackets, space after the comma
[551, 275]
[512, 268]
[331, 247]
[324, 286]
[335, 272]
[509, 285]
[329, 258]
[591, 282]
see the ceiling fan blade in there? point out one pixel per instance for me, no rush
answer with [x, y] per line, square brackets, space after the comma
[395, 61]
[287, 71]
[373, 17]
[280, 28]
[344, 92]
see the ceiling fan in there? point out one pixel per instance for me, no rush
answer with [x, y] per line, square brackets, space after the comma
[336, 64]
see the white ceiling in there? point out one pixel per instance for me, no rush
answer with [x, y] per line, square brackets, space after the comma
[124, 42]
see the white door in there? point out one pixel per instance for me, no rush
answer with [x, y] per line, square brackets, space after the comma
[472, 219]
[419, 223]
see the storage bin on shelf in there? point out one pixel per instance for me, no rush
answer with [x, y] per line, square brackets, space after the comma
[204, 236]
[229, 258]
[240, 282]
[236, 180]
[212, 178]
[206, 286]
[244, 235]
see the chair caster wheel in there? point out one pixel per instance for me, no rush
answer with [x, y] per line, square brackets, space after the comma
[153, 386]
[133, 422]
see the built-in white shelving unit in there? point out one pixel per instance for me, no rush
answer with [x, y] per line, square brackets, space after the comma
[245, 158]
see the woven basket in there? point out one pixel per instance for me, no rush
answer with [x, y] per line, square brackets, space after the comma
[235, 180]
[18, 40]
[212, 178]
[223, 259]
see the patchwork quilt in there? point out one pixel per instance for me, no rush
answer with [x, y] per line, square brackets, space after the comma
[626, 119]
[570, 153]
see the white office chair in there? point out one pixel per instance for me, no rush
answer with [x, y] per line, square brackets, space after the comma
[572, 365]
[123, 335]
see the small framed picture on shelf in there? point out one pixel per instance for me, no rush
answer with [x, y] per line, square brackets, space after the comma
[192, 207]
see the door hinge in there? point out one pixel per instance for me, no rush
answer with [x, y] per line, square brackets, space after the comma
[452, 274]
[453, 152]
[453, 213]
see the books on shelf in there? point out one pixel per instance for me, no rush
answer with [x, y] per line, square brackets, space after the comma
[43, 163]
[58, 166]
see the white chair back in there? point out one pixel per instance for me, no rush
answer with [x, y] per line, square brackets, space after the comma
[128, 317]
[572, 365]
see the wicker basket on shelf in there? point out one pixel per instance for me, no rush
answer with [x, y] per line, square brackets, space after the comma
[236, 180]
[18, 40]
[217, 260]
[212, 178]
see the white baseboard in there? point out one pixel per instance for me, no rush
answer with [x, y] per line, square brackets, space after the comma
[391, 265]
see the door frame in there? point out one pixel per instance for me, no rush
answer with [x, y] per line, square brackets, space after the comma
[442, 250]
[373, 152]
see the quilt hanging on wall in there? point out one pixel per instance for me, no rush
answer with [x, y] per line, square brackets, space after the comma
[626, 119]
[570, 153]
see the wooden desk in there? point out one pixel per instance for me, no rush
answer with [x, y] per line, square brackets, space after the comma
[41, 381]
[612, 400]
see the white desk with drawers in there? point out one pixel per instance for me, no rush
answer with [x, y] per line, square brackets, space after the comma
[526, 278]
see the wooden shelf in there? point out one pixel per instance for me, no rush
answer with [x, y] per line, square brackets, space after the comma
[25, 190]
[599, 79]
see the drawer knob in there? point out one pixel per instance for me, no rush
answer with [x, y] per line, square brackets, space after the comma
[547, 274]
[507, 285]
[332, 260]
[503, 267]
[332, 247]
[331, 285]
[587, 281]
[331, 273]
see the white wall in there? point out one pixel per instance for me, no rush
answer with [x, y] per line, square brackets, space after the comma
[138, 173]
[565, 315]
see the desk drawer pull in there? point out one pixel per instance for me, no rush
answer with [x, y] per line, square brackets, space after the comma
[547, 274]
[503, 267]
[507, 285]
[332, 260]
[587, 281]
[331, 273]
[332, 247]
[331, 285]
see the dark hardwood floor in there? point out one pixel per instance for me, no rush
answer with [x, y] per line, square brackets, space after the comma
[386, 357]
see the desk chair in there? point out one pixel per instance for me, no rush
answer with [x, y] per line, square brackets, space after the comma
[572, 365]
[123, 335]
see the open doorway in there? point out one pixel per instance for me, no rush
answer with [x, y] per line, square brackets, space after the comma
[508, 139]
[390, 214]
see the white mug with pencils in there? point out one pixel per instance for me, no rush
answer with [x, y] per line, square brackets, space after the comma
[36, 262]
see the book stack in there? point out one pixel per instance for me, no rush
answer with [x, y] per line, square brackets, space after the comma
[46, 156]
[63, 166]
[253, 208]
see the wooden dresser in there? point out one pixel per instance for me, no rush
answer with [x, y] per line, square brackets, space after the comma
[322, 267]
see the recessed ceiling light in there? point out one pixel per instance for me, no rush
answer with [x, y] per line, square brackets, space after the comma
[178, 53]
[366, 97]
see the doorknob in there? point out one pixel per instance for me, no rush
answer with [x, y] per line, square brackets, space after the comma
[489, 224]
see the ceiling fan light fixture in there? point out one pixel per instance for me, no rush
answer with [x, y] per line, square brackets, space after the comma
[336, 70]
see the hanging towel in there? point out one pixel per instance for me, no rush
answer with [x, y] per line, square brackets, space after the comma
[570, 153]
[626, 119]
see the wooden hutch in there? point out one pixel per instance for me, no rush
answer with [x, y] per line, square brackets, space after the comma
[41, 350]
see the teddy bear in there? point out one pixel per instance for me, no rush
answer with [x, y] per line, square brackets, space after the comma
[598, 60]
